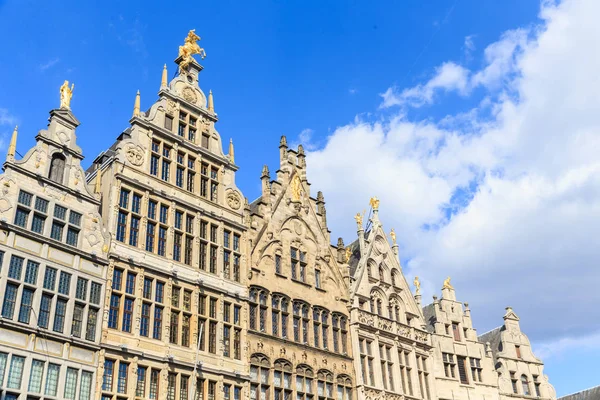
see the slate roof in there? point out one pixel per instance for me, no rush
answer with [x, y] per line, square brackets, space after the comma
[429, 314]
[588, 394]
[494, 338]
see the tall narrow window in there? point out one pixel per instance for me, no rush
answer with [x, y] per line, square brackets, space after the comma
[405, 372]
[462, 370]
[476, 369]
[518, 351]
[259, 378]
[366, 362]
[423, 376]
[525, 385]
[456, 331]
[57, 168]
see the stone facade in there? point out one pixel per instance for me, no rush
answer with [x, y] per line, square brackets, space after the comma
[52, 269]
[298, 326]
[391, 346]
[206, 296]
[177, 271]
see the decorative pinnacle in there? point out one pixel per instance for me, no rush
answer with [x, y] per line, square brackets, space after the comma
[12, 147]
[340, 243]
[136, 105]
[283, 141]
[231, 154]
[163, 81]
[211, 103]
[300, 150]
[320, 197]
[265, 171]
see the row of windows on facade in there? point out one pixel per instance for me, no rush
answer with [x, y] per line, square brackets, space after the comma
[22, 297]
[43, 378]
[389, 375]
[186, 232]
[154, 307]
[277, 383]
[298, 267]
[115, 382]
[321, 321]
[187, 127]
[161, 161]
[395, 308]
[395, 274]
[33, 212]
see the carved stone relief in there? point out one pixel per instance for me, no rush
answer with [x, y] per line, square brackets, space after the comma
[134, 154]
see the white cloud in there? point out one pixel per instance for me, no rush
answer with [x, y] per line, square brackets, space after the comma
[504, 197]
[49, 64]
[6, 118]
[469, 46]
[558, 348]
[448, 77]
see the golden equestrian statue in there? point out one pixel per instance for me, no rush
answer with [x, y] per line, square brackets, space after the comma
[65, 95]
[447, 284]
[189, 48]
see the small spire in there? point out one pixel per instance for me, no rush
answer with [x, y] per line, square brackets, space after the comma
[163, 82]
[12, 147]
[211, 103]
[98, 180]
[300, 149]
[136, 105]
[265, 171]
[283, 141]
[231, 154]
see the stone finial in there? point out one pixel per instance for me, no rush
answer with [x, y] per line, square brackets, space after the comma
[231, 153]
[163, 81]
[136, 105]
[320, 197]
[265, 172]
[12, 147]
[300, 150]
[283, 141]
[340, 243]
[211, 102]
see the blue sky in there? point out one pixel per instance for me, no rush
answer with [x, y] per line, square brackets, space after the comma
[474, 156]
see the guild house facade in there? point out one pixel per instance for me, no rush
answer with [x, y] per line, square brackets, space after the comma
[151, 276]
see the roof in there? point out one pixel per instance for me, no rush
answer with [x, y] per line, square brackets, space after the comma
[588, 394]
[354, 257]
[429, 315]
[495, 340]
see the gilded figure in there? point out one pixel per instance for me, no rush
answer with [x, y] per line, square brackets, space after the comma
[393, 235]
[348, 254]
[359, 219]
[417, 285]
[189, 48]
[296, 188]
[447, 284]
[374, 202]
[65, 95]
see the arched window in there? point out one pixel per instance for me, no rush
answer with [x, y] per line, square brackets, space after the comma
[282, 380]
[344, 387]
[279, 315]
[317, 325]
[325, 328]
[258, 305]
[304, 383]
[325, 385]
[393, 278]
[57, 168]
[381, 274]
[525, 384]
[300, 322]
[259, 377]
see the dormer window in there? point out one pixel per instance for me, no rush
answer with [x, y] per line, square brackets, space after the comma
[57, 168]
